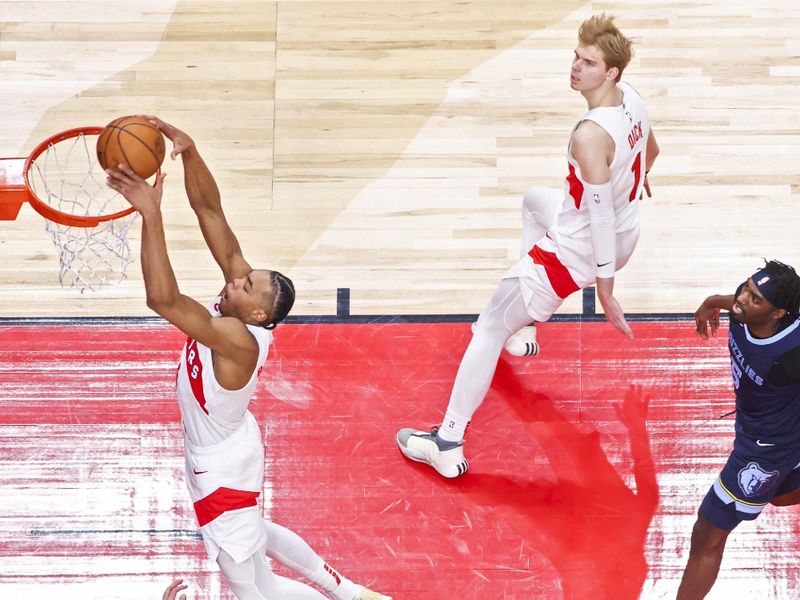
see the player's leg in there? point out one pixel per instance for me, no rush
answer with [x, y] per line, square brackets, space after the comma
[290, 549]
[746, 484]
[705, 556]
[789, 499]
[443, 449]
[789, 492]
[540, 206]
[504, 315]
[252, 579]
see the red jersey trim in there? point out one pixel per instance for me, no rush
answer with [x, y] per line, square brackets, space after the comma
[194, 371]
[222, 500]
[575, 187]
[562, 282]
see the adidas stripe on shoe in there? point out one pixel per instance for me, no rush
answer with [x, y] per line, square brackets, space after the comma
[427, 447]
[523, 343]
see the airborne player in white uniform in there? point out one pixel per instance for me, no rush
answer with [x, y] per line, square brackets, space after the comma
[572, 238]
[219, 367]
[224, 455]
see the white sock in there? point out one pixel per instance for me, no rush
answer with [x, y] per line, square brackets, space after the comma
[453, 426]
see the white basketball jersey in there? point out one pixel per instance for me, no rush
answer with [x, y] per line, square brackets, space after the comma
[224, 450]
[569, 241]
[210, 412]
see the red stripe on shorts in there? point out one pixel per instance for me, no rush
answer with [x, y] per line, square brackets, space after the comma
[562, 282]
[221, 500]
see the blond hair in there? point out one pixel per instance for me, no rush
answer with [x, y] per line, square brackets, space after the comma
[599, 30]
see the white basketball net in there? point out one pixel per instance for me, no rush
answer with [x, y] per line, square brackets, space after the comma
[67, 177]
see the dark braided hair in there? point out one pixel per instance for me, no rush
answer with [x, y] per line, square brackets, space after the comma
[787, 287]
[284, 299]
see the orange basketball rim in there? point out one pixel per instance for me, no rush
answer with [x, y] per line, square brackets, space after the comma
[87, 221]
[17, 187]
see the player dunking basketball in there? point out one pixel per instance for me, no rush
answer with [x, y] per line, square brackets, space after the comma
[217, 375]
[571, 239]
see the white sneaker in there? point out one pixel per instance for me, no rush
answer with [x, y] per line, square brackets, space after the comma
[370, 595]
[523, 343]
[427, 447]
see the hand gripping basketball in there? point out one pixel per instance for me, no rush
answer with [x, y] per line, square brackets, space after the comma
[145, 198]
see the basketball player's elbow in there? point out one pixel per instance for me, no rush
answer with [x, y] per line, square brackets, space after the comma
[162, 302]
[165, 311]
[157, 307]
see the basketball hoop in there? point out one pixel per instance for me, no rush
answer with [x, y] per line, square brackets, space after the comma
[87, 221]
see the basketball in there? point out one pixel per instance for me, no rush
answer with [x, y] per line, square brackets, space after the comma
[133, 141]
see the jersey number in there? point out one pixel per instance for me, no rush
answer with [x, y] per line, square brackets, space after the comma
[637, 176]
[576, 187]
[736, 372]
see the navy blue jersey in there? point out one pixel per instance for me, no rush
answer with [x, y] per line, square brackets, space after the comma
[764, 411]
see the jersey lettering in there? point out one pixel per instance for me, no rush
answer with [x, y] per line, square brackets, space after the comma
[743, 367]
[635, 134]
[194, 369]
[766, 412]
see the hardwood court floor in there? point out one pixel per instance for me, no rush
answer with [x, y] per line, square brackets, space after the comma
[581, 486]
[384, 146]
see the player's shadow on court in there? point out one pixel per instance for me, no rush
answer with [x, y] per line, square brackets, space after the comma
[586, 521]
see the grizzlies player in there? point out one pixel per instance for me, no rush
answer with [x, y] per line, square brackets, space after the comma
[764, 467]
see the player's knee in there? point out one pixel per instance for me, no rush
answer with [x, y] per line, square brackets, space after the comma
[535, 199]
[489, 335]
[706, 547]
[707, 538]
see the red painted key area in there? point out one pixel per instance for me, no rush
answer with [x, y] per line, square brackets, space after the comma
[587, 463]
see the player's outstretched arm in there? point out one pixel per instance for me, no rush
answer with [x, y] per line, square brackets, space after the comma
[204, 198]
[159, 278]
[707, 315]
